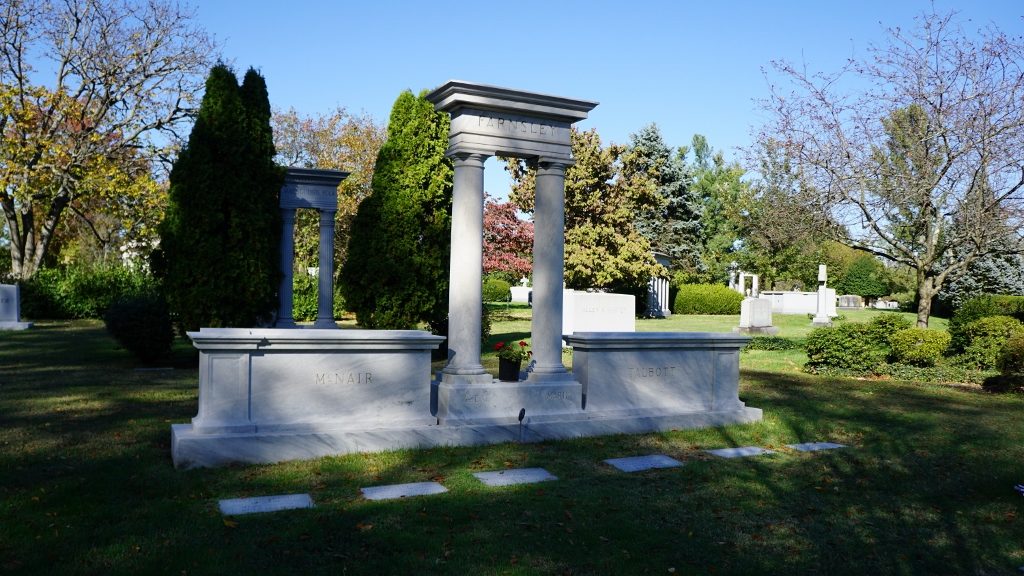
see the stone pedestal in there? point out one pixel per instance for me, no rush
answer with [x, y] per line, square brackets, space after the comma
[821, 317]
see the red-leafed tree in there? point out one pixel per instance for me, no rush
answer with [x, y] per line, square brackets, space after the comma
[508, 240]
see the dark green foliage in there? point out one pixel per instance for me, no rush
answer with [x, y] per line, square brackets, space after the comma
[940, 373]
[866, 277]
[497, 290]
[79, 292]
[985, 339]
[980, 307]
[851, 347]
[881, 327]
[774, 343]
[918, 346]
[142, 324]
[219, 253]
[396, 272]
[305, 294]
[707, 299]
[1011, 357]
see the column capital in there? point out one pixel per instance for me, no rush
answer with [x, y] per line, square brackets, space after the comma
[471, 159]
[557, 164]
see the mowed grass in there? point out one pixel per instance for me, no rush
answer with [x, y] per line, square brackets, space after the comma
[925, 487]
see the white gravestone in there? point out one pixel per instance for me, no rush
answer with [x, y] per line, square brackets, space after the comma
[10, 308]
[521, 293]
[756, 317]
[597, 312]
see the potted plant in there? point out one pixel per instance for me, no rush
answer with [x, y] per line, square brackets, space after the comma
[510, 359]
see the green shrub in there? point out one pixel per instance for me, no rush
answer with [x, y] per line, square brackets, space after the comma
[773, 343]
[849, 347]
[142, 324]
[941, 373]
[918, 346]
[982, 307]
[985, 339]
[497, 290]
[80, 292]
[1011, 357]
[881, 327]
[305, 296]
[707, 299]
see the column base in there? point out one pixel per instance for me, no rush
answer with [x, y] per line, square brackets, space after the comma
[325, 323]
[543, 374]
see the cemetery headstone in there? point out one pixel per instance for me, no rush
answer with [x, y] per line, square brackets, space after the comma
[850, 302]
[756, 317]
[10, 308]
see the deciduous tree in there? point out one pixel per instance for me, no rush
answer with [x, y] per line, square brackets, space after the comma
[508, 240]
[921, 157]
[117, 74]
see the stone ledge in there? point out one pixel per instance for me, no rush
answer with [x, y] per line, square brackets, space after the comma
[15, 325]
[192, 450]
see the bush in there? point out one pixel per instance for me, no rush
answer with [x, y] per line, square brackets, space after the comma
[985, 339]
[305, 297]
[851, 347]
[497, 290]
[918, 346]
[1011, 357]
[881, 327]
[982, 307]
[142, 324]
[942, 373]
[80, 292]
[707, 299]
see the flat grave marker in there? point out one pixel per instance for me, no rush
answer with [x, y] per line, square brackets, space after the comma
[393, 491]
[259, 504]
[815, 446]
[641, 463]
[741, 452]
[513, 477]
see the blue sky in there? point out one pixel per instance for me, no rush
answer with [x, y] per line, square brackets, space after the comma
[690, 67]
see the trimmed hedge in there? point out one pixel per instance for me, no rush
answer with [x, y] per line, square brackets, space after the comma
[918, 346]
[985, 340]
[982, 307]
[1011, 357]
[773, 343]
[80, 292]
[497, 290]
[707, 299]
[848, 346]
[305, 297]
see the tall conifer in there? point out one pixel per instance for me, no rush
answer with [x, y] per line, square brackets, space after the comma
[219, 240]
[396, 273]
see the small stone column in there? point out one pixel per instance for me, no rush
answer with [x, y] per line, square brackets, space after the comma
[548, 271]
[753, 285]
[465, 288]
[285, 296]
[325, 284]
[821, 317]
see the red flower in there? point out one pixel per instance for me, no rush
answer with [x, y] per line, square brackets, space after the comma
[522, 343]
[499, 345]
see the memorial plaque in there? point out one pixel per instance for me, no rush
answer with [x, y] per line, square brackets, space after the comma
[258, 504]
[512, 477]
[641, 463]
[815, 446]
[740, 452]
[393, 491]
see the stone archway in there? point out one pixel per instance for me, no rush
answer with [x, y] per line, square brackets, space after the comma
[488, 121]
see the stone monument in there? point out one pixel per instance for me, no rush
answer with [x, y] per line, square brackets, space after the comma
[316, 189]
[756, 317]
[821, 317]
[10, 308]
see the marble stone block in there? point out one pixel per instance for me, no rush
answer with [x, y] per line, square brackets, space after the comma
[597, 312]
[402, 490]
[641, 463]
[501, 402]
[515, 476]
[756, 317]
[658, 372]
[10, 308]
[741, 452]
[850, 302]
[258, 504]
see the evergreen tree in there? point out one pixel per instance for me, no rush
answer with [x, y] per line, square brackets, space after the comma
[218, 258]
[866, 277]
[723, 194]
[396, 273]
[672, 226]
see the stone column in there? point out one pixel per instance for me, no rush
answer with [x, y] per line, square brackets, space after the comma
[325, 285]
[548, 271]
[753, 286]
[465, 290]
[284, 292]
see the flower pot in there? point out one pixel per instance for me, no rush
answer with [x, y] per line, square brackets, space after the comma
[508, 370]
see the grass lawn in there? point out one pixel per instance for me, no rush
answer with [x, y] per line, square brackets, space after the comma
[925, 487]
